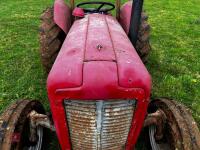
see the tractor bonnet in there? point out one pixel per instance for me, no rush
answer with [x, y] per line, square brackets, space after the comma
[98, 59]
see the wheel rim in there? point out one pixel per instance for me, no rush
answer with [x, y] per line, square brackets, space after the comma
[154, 144]
[152, 131]
[38, 145]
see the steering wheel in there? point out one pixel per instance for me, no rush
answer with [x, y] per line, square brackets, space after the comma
[100, 9]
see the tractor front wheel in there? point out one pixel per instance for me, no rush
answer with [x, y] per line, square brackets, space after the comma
[15, 127]
[180, 131]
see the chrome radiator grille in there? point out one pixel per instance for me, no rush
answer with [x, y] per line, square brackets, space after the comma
[99, 125]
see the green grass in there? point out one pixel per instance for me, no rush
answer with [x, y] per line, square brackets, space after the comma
[174, 62]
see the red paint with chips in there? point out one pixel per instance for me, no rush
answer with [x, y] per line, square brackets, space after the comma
[98, 62]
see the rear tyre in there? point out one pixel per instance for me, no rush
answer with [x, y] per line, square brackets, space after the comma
[180, 130]
[15, 129]
[143, 43]
[51, 39]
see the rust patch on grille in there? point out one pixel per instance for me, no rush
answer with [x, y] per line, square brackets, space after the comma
[97, 125]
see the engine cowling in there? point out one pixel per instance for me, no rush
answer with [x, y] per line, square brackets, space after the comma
[98, 62]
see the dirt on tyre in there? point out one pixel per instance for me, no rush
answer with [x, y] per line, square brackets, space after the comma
[51, 39]
[143, 43]
[15, 129]
[180, 130]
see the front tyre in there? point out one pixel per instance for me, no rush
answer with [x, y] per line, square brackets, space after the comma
[15, 128]
[180, 130]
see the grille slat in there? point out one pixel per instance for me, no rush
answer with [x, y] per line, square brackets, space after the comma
[99, 125]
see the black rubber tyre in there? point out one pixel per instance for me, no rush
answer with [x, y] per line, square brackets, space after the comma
[51, 39]
[180, 130]
[143, 43]
[14, 125]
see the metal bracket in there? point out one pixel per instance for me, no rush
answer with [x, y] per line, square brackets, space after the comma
[36, 120]
[158, 119]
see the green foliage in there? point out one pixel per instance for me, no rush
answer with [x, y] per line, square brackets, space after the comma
[174, 62]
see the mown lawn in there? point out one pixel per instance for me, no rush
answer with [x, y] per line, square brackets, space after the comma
[174, 62]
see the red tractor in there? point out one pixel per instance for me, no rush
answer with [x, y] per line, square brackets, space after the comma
[98, 86]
